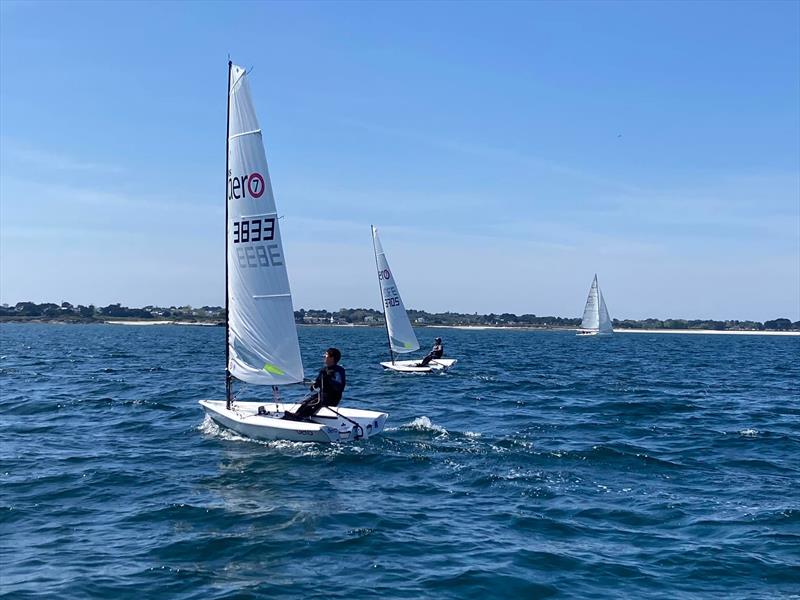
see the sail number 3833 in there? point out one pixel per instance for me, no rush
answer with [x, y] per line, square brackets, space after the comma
[253, 230]
[249, 235]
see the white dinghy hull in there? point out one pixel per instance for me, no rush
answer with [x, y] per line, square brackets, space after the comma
[438, 365]
[325, 427]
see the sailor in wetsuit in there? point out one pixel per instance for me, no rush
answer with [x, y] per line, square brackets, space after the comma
[436, 352]
[326, 390]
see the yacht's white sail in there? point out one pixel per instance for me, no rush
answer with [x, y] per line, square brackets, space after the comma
[262, 338]
[603, 317]
[595, 313]
[401, 335]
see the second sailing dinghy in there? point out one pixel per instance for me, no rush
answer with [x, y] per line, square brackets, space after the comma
[262, 346]
[398, 328]
[595, 315]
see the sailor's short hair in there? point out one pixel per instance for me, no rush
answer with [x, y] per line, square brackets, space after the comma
[334, 354]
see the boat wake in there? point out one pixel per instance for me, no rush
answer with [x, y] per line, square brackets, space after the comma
[423, 424]
[211, 428]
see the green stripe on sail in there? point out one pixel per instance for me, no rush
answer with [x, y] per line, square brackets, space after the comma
[400, 345]
[273, 369]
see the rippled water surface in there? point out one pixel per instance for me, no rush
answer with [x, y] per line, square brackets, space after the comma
[544, 465]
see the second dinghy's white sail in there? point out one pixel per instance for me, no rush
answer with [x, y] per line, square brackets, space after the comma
[398, 328]
[401, 335]
[262, 346]
[596, 320]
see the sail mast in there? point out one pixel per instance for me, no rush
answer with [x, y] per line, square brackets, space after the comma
[380, 290]
[228, 381]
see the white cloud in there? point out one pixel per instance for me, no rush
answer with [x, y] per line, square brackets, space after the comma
[46, 161]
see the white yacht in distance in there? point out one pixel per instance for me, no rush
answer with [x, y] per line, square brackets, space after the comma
[595, 315]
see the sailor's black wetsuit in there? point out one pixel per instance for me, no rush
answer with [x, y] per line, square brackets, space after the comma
[436, 352]
[331, 382]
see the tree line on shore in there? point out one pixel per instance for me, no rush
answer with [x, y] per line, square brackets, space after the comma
[67, 312]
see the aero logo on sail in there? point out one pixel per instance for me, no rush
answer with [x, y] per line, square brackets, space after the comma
[384, 274]
[240, 187]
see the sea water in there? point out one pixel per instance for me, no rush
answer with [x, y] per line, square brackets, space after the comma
[656, 466]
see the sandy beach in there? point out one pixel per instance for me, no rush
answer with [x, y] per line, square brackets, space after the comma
[485, 327]
[138, 323]
[707, 332]
[474, 327]
[689, 331]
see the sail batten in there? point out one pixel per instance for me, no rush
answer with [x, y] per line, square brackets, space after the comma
[238, 135]
[262, 338]
[401, 335]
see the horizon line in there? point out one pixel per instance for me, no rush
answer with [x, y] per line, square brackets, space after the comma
[472, 314]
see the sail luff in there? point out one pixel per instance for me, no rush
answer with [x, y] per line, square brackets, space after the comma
[228, 378]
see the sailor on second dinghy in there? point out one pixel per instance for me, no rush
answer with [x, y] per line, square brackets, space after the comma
[329, 385]
[436, 352]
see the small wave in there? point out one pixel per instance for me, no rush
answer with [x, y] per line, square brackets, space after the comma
[601, 454]
[212, 429]
[424, 424]
[361, 532]
[148, 404]
[516, 473]
[748, 433]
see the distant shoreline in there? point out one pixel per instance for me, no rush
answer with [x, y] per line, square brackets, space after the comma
[117, 314]
[137, 323]
[144, 323]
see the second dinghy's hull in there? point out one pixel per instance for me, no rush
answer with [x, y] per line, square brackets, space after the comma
[410, 366]
[326, 426]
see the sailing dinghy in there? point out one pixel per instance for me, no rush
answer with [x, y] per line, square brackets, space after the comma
[399, 332]
[262, 346]
[595, 315]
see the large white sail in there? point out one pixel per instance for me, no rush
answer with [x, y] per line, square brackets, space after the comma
[603, 316]
[401, 334]
[591, 315]
[595, 313]
[262, 338]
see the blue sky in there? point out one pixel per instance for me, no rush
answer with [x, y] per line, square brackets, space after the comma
[507, 152]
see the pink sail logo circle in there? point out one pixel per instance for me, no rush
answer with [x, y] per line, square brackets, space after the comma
[255, 185]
